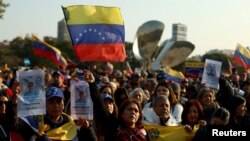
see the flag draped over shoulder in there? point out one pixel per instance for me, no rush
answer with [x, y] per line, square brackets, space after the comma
[45, 50]
[97, 32]
[174, 75]
[242, 57]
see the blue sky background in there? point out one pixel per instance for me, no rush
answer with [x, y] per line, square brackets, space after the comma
[212, 24]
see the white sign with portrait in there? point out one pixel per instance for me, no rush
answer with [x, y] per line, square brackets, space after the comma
[81, 102]
[211, 73]
[31, 100]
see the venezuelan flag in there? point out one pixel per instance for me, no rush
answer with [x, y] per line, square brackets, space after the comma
[47, 51]
[97, 32]
[174, 75]
[242, 57]
[170, 133]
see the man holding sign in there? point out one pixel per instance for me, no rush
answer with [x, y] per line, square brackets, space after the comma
[54, 125]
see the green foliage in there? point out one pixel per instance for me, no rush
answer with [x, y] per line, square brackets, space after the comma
[2, 8]
[66, 49]
[218, 57]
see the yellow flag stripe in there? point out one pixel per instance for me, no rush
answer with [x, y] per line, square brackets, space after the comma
[83, 14]
[48, 45]
[243, 50]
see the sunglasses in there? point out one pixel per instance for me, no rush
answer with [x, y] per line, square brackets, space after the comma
[3, 102]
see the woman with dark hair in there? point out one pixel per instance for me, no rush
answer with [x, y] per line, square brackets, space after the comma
[193, 114]
[120, 95]
[104, 119]
[4, 121]
[106, 89]
[111, 114]
[237, 109]
[130, 126]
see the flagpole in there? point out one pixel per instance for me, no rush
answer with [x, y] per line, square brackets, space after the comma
[71, 39]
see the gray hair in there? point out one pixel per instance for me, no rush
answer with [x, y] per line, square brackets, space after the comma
[131, 94]
[159, 98]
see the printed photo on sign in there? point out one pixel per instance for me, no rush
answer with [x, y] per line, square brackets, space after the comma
[81, 102]
[211, 73]
[31, 100]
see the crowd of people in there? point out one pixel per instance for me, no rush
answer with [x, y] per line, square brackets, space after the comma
[124, 104]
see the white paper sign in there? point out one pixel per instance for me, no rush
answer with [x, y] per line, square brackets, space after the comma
[211, 73]
[31, 101]
[81, 102]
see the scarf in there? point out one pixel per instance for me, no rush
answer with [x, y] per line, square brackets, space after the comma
[67, 131]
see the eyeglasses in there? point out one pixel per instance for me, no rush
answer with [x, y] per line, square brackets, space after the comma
[3, 102]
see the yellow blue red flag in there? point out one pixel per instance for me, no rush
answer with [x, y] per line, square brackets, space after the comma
[46, 50]
[169, 133]
[174, 75]
[242, 56]
[97, 32]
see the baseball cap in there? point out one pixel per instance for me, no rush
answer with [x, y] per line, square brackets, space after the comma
[58, 74]
[107, 97]
[162, 75]
[54, 92]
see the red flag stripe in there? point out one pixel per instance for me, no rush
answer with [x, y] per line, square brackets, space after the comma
[100, 52]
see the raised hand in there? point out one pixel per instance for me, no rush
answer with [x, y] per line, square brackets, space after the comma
[82, 122]
[88, 76]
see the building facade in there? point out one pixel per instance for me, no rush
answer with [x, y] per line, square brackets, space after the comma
[62, 31]
[179, 32]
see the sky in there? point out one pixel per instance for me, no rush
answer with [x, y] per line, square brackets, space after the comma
[211, 24]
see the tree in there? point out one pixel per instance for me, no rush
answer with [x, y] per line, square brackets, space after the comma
[218, 57]
[2, 8]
